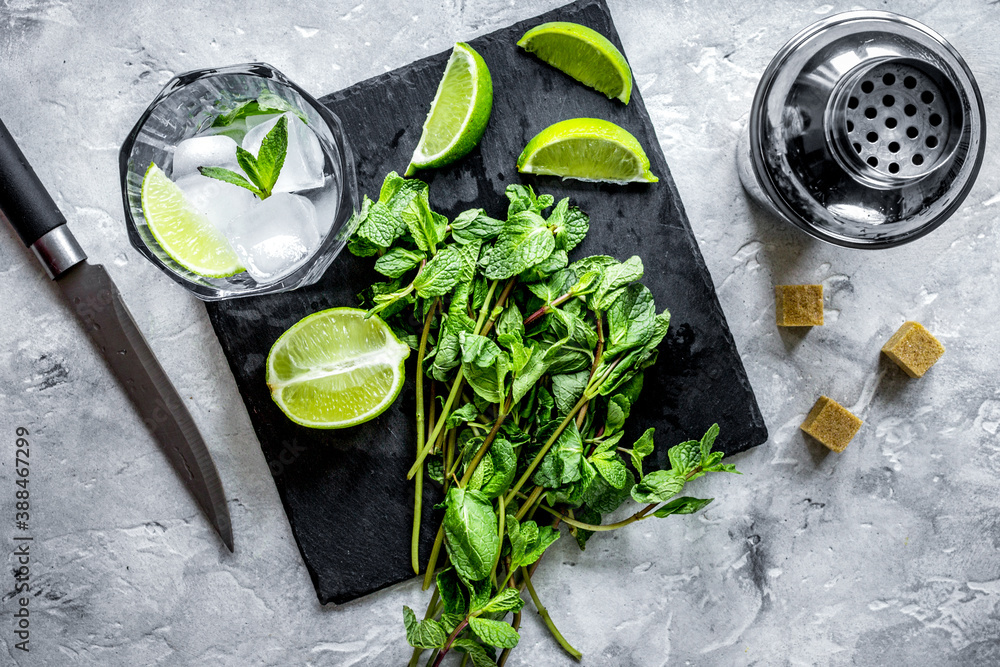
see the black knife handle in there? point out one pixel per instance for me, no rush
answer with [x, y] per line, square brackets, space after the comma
[23, 198]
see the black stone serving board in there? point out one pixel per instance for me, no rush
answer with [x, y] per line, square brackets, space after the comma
[345, 492]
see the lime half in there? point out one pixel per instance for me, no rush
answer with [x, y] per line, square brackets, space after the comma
[587, 149]
[584, 54]
[186, 235]
[459, 112]
[335, 369]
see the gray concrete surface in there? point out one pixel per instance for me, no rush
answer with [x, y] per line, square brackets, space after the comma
[883, 555]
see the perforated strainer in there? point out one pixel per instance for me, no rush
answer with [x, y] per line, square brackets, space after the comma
[867, 130]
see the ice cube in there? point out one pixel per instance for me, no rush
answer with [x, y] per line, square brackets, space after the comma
[303, 167]
[211, 151]
[217, 200]
[275, 236]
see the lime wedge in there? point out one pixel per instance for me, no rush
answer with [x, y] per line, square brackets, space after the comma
[335, 369]
[587, 149]
[584, 54]
[186, 235]
[459, 112]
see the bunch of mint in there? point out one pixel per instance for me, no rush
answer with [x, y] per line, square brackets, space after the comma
[528, 366]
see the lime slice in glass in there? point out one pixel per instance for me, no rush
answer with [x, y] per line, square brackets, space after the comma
[335, 369]
[587, 149]
[186, 235]
[459, 112]
[584, 54]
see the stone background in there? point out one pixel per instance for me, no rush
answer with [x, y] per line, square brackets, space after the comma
[883, 555]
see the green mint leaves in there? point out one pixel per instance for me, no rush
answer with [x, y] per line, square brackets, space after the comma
[261, 172]
[529, 363]
[267, 103]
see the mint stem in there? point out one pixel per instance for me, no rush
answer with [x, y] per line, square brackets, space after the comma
[419, 485]
[432, 561]
[544, 613]
[456, 386]
[547, 308]
[641, 514]
[451, 640]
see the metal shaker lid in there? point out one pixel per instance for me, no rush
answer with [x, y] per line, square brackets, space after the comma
[867, 130]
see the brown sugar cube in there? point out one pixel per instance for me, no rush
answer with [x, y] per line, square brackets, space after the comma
[799, 305]
[831, 423]
[913, 348]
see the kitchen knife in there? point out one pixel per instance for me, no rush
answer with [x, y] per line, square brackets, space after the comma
[94, 298]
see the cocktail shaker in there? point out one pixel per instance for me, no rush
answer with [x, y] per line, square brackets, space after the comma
[867, 130]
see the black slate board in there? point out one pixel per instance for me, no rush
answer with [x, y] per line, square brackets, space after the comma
[345, 492]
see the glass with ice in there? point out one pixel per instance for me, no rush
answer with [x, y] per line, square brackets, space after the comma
[238, 182]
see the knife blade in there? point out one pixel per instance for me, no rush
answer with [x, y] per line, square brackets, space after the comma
[95, 300]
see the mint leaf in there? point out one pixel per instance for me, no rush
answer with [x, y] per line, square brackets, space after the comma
[470, 533]
[573, 229]
[685, 505]
[631, 320]
[478, 350]
[504, 462]
[613, 279]
[545, 268]
[706, 443]
[475, 225]
[466, 413]
[483, 471]
[658, 487]
[240, 111]
[440, 274]
[528, 375]
[685, 456]
[568, 388]
[380, 226]
[616, 416]
[611, 468]
[494, 633]
[479, 593]
[604, 498]
[398, 261]
[524, 242]
[562, 463]
[271, 156]
[228, 176]
[489, 382]
[587, 515]
[268, 103]
[522, 198]
[450, 589]
[362, 247]
[384, 224]
[426, 227]
[510, 321]
[517, 540]
[423, 634]
[642, 448]
[248, 163]
[475, 651]
[546, 536]
[509, 599]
